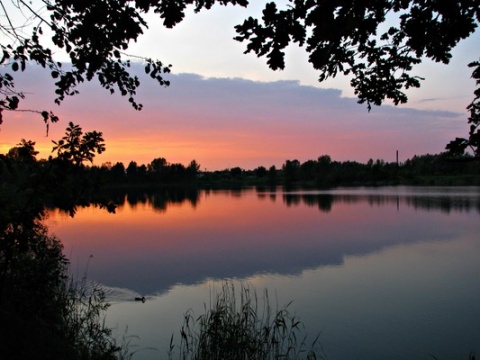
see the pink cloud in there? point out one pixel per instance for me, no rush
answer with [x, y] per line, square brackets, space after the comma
[233, 122]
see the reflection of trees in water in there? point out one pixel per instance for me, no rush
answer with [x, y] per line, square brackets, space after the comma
[157, 198]
[160, 198]
[446, 204]
[323, 202]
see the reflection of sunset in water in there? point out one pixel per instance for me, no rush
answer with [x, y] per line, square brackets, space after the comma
[237, 234]
[371, 268]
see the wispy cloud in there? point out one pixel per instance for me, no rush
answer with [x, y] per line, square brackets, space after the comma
[427, 100]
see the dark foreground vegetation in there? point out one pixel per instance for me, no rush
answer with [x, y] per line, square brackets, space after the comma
[46, 314]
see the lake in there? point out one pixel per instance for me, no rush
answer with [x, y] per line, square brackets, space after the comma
[380, 273]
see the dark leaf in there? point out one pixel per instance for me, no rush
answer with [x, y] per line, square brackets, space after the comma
[45, 115]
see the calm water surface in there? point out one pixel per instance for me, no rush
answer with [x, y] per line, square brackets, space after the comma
[381, 273]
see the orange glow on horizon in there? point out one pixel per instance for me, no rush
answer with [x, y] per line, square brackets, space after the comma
[220, 131]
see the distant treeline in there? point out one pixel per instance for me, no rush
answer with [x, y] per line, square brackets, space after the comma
[159, 171]
[441, 169]
[438, 169]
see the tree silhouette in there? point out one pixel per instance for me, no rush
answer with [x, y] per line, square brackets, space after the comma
[192, 170]
[460, 145]
[78, 147]
[291, 169]
[23, 152]
[261, 171]
[118, 172]
[272, 174]
[236, 172]
[347, 37]
[132, 171]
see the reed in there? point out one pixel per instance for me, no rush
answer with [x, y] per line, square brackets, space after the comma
[242, 326]
[84, 325]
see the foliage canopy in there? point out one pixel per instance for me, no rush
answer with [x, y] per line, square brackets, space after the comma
[377, 42]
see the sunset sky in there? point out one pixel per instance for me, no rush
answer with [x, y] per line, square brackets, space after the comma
[226, 109]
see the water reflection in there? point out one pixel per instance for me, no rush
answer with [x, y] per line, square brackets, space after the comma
[159, 198]
[184, 236]
[381, 272]
[430, 199]
[325, 202]
[444, 199]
